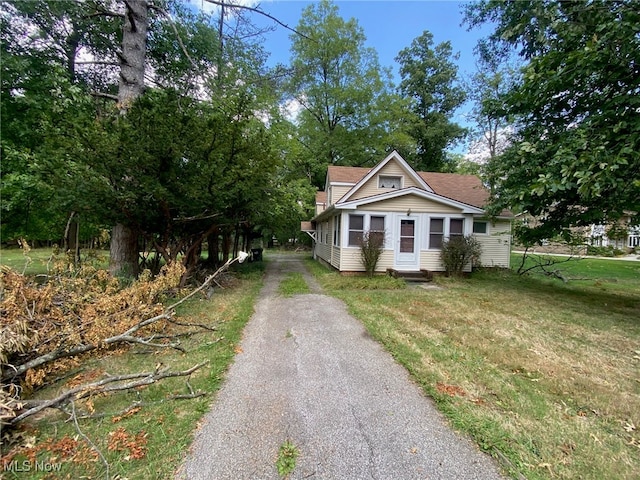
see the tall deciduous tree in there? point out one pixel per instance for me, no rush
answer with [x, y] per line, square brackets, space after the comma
[576, 159]
[123, 254]
[486, 90]
[348, 108]
[429, 79]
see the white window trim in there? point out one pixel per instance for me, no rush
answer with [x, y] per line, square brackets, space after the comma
[486, 222]
[367, 226]
[337, 230]
[446, 234]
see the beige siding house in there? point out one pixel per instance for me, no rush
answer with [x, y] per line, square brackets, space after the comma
[416, 211]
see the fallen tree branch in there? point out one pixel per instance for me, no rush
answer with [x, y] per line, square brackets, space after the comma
[105, 385]
[14, 371]
[88, 440]
[189, 324]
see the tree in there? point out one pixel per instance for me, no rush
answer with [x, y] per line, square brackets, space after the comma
[576, 153]
[349, 114]
[486, 89]
[44, 92]
[166, 164]
[429, 79]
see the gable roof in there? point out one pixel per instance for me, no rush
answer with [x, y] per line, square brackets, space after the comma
[371, 173]
[463, 188]
[450, 188]
[419, 192]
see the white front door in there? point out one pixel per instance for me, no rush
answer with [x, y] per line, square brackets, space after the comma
[407, 251]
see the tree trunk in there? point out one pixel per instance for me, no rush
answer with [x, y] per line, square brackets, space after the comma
[213, 247]
[134, 48]
[124, 240]
[124, 251]
[72, 238]
[226, 244]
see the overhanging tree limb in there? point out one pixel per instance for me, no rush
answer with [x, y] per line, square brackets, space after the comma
[261, 12]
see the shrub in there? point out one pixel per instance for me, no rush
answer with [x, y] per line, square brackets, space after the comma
[371, 249]
[459, 251]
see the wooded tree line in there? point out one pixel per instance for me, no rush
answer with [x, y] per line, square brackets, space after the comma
[167, 128]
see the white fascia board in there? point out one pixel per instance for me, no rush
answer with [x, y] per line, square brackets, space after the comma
[342, 184]
[325, 213]
[466, 208]
[374, 171]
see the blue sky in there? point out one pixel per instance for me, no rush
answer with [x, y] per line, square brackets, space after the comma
[389, 26]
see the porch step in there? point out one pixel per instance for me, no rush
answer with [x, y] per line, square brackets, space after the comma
[411, 276]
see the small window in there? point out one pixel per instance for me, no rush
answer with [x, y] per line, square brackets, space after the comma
[336, 231]
[356, 228]
[436, 232]
[480, 227]
[386, 181]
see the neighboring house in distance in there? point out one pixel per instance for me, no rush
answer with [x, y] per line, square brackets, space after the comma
[622, 235]
[417, 211]
[598, 235]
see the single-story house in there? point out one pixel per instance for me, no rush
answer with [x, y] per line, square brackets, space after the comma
[415, 210]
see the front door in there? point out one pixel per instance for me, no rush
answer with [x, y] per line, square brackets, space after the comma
[407, 252]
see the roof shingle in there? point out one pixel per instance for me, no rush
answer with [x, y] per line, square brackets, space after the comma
[463, 188]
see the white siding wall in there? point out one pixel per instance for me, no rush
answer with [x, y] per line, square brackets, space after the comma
[336, 193]
[390, 169]
[413, 202]
[496, 245]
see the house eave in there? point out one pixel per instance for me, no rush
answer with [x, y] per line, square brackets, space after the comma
[466, 208]
[374, 171]
[325, 213]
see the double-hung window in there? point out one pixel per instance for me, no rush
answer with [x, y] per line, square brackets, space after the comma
[441, 228]
[376, 229]
[436, 232]
[356, 229]
[456, 226]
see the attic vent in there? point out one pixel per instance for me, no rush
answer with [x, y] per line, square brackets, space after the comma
[385, 181]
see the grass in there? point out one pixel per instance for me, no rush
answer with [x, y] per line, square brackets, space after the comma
[293, 284]
[287, 457]
[150, 441]
[542, 374]
[36, 260]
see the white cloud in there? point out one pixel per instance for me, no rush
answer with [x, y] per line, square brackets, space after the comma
[479, 149]
[291, 109]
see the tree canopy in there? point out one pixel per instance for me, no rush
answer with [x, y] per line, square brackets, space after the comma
[575, 159]
[349, 115]
[429, 80]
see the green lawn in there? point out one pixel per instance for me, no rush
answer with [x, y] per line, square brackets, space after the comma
[544, 375]
[38, 260]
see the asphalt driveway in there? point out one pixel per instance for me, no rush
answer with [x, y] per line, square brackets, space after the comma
[310, 374]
